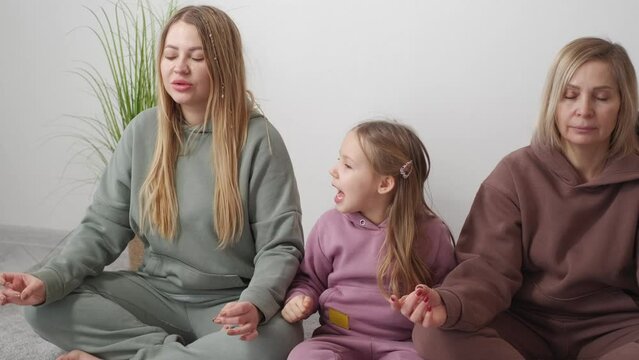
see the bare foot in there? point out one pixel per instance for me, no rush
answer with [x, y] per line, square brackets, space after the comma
[77, 355]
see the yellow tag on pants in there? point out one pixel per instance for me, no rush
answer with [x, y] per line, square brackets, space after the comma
[338, 318]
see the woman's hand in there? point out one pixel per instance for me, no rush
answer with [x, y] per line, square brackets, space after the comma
[239, 318]
[298, 308]
[423, 307]
[21, 289]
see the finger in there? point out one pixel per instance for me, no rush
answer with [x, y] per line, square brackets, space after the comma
[409, 305]
[10, 293]
[308, 303]
[235, 309]
[293, 312]
[250, 336]
[290, 315]
[223, 312]
[28, 291]
[298, 313]
[227, 320]
[300, 309]
[287, 316]
[418, 314]
[5, 280]
[394, 302]
[240, 330]
[11, 297]
[14, 279]
[427, 320]
[225, 308]
[6, 276]
[439, 316]
[435, 299]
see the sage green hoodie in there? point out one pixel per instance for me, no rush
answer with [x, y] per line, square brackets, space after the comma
[191, 267]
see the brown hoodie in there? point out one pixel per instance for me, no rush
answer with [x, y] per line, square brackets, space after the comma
[538, 238]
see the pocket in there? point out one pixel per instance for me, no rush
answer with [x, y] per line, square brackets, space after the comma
[188, 277]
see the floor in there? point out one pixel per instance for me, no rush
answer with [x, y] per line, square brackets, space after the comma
[25, 248]
[22, 248]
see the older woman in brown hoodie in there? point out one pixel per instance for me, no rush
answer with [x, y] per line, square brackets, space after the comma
[548, 256]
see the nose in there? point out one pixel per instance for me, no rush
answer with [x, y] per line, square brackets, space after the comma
[584, 107]
[181, 67]
[333, 172]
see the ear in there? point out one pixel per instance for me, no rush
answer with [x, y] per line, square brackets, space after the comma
[386, 184]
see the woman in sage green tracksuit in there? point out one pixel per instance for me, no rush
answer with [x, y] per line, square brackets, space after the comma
[208, 186]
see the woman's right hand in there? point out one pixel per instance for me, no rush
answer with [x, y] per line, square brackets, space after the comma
[298, 308]
[423, 306]
[21, 289]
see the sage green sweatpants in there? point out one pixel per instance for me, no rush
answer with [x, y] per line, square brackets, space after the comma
[119, 315]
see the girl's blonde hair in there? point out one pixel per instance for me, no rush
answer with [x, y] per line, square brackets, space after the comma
[229, 106]
[623, 140]
[388, 147]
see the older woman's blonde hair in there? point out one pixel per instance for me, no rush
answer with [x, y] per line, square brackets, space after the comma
[623, 140]
[229, 104]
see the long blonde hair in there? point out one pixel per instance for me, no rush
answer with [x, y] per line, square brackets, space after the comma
[623, 140]
[229, 106]
[388, 146]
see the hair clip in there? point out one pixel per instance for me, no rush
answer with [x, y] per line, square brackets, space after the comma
[406, 169]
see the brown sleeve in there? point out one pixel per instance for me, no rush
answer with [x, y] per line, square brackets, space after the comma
[489, 252]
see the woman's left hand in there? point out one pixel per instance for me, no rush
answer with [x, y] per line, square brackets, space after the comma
[239, 318]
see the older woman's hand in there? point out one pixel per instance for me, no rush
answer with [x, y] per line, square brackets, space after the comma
[423, 306]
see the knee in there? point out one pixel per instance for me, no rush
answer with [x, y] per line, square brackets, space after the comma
[316, 349]
[49, 321]
[627, 351]
[280, 336]
[426, 340]
[299, 352]
[36, 317]
[434, 343]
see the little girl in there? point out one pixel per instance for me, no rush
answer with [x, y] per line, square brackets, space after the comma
[381, 240]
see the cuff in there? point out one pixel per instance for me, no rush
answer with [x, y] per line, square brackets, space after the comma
[53, 288]
[266, 305]
[453, 308]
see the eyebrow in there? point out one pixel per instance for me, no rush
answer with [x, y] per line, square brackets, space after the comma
[189, 49]
[346, 157]
[602, 87]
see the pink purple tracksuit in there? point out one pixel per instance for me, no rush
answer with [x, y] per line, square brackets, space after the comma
[339, 273]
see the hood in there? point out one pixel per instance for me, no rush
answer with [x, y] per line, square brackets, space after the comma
[617, 169]
[361, 221]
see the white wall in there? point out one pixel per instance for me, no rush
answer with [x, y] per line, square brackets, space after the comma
[465, 74]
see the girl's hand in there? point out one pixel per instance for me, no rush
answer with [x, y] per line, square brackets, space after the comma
[298, 308]
[423, 307]
[239, 318]
[21, 289]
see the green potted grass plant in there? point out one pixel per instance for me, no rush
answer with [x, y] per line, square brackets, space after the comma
[128, 37]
